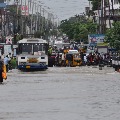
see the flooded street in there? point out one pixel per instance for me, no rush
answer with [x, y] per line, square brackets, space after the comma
[77, 93]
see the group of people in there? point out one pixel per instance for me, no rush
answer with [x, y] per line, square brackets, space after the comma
[97, 58]
[4, 67]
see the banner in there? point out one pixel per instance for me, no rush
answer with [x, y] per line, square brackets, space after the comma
[94, 39]
[2, 5]
[7, 50]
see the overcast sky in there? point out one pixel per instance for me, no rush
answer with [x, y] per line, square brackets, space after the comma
[64, 8]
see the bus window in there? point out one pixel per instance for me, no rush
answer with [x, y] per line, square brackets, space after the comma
[27, 48]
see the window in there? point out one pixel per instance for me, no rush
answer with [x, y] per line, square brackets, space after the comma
[26, 48]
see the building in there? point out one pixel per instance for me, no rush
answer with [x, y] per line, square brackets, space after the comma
[109, 12]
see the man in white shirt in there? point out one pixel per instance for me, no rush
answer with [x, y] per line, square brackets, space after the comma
[6, 62]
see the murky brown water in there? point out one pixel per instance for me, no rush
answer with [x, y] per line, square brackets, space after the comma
[81, 93]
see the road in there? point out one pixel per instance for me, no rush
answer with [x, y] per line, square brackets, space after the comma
[61, 93]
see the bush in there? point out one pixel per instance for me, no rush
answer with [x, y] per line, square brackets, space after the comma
[13, 63]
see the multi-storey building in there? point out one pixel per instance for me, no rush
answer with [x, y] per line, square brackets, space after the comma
[112, 12]
[106, 14]
[116, 4]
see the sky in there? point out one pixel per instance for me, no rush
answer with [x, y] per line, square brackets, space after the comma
[64, 9]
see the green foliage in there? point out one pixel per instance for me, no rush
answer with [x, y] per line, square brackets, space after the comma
[78, 29]
[16, 38]
[13, 10]
[13, 63]
[113, 36]
[96, 4]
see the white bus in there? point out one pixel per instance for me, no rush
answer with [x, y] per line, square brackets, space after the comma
[32, 54]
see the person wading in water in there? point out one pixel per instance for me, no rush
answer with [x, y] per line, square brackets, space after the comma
[3, 74]
[1, 70]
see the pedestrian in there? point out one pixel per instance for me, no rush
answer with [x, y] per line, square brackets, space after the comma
[6, 62]
[85, 60]
[63, 59]
[1, 71]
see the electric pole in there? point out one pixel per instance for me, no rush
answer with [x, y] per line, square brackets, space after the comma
[109, 16]
[32, 18]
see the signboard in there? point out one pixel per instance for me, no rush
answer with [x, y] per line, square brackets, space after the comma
[9, 40]
[102, 49]
[2, 5]
[24, 10]
[7, 49]
[15, 46]
[94, 39]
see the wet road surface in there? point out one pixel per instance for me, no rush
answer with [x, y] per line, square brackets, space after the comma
[80, 93]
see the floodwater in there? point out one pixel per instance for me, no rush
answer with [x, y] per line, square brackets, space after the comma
[61, 93]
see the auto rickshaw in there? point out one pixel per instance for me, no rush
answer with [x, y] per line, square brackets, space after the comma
[73, 58]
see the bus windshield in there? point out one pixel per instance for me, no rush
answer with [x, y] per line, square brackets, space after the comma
[38, 47]
[28, 48]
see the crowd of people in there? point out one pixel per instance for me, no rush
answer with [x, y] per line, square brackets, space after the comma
[97, 58]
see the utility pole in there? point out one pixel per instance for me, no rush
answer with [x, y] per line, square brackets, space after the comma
[40, 19]
[112, 8]
[32, 18]
[29, 14]
[52, 23]
[109, 14]
[4, 24]
[16, 23]
[99, 21]
[42, 22]
[21, 5]
[102, 17]
[25, 7]
[36, 16]
[104, 26]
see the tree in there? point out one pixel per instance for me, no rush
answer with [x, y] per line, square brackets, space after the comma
[78, 28]
[95, 4]
[113, 36]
